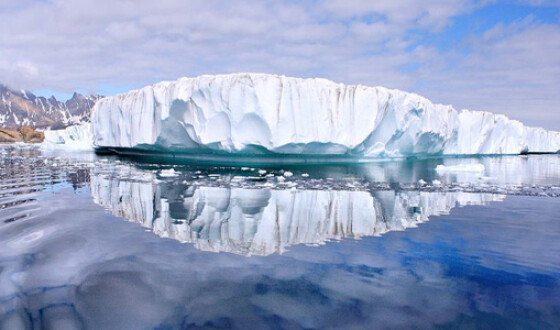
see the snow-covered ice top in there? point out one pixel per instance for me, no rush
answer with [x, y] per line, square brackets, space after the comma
[247, 113]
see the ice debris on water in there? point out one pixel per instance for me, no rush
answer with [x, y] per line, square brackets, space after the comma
[535, 176]
[168, 173]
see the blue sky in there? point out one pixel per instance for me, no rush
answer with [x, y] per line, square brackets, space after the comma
[500, 56]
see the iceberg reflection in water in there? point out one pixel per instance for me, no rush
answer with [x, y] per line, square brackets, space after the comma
[262, 221]
[67, 263]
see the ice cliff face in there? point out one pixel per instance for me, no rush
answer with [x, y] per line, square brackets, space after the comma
[77, 137]
[247, 113]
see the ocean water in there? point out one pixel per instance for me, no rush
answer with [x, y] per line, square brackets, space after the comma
[98, 242]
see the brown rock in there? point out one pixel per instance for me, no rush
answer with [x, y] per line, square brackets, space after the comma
[30, 135]
[10, 135]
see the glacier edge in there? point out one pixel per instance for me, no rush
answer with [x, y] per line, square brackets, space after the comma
[250, 113]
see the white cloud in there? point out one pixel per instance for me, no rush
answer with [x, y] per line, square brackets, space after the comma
[86, 44]
[18, 72]
[512, 69]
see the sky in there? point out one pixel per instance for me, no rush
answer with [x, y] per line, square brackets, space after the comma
[499, 56]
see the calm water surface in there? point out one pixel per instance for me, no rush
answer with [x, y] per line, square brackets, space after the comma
[90, 242]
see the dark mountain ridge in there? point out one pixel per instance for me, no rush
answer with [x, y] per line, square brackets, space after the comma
[23, 108]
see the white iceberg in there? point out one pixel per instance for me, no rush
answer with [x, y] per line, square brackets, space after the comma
[259, 113]
[77, 137]
[168, 173]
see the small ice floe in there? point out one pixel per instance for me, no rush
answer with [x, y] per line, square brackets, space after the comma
[436, 183]
[476, 168]
[422, 182]
[262, 172]
[168, 173]
[288, 174]
[244, 168]
[237, 179]
[305, 175]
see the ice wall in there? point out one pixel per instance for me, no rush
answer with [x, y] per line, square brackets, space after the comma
[248, 113]
[77, 137]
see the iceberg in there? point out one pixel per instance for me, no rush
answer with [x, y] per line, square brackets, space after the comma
[77, 137]
[248, 114]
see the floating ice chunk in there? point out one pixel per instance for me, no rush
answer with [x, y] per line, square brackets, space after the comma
[237, 179]
[478, 168]
[168, 173]
[436, 183]
[77, 137]
[288, 174]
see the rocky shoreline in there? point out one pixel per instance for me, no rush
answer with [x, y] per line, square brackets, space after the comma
[24, 134]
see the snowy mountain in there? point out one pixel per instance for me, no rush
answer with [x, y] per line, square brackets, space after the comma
[268, 114]
[20, 108]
